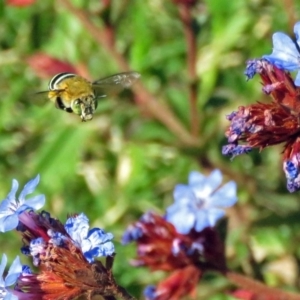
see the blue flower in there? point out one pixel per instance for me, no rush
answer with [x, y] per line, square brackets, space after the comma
[291, 170]
[37, 247]
[13, 273]
[196, 205]
[286, 53]
[150, 292]
[131, 234]
[77, 227]
[57, 238]
[11, 208]
[93, 243]
[97, 243]
[234, 150]
[26, 270]
[254, 66]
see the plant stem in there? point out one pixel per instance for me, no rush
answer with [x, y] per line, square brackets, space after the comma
[190, 36]
[261, 291]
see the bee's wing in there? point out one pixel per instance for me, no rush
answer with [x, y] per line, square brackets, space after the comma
[114, 83]
[38, 94]
[38, 98]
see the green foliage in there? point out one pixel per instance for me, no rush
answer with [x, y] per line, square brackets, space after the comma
[125, 161]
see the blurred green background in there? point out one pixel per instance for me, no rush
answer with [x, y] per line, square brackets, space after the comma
[128, 159]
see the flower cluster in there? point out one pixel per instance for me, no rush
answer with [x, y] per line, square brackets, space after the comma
[261, 125]
[185, 241]
[65, 255]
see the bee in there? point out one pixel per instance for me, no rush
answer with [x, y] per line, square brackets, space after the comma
[75, 94]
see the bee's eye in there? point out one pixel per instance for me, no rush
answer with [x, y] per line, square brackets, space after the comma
[76, 107]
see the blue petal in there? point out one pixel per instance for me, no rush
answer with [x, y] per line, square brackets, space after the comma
[196, 178]
[183, 194]
[9, 223]
[2, 266]
[29, 187]
[107, 249]
[214, 179]
[224, 196]
[77, 227]
[103, 250]
[150, 292]
[180, 207]
[14, 272]
[297, 79]
[36, 202]
[57, 238]
[201, 220]
[214, 215]
[290, 169]
[97, 236]
[86, 246]
[26, 270]
[297, 32]
[285, 55]
[254, 66]
[89, 255]
[10, 296]
[132, 233]
[12, 194]
[6, 208]
[37, 246]
[212, 182]
[183, 219]
[208, 218]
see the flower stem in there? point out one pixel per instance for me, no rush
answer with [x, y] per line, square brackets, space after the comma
[261, 290]
[190, 36]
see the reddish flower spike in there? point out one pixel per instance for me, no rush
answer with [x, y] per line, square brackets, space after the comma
[261, 125]
[20, 3]
[46, 66]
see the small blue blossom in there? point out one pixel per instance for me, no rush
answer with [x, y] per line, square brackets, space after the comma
[57, 238]
[286, 53]
[254, 66]
[25, 250]
[93, 243]
[36, 248]
[291, 170]
[26, 270]
[150, 292]
[132, 233]
[197, 205]
[13, 273]
[77, 227]
[97, 243]
[11, 207]
[234, 150]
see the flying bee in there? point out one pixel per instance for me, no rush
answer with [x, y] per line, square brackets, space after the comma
[75, 94]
